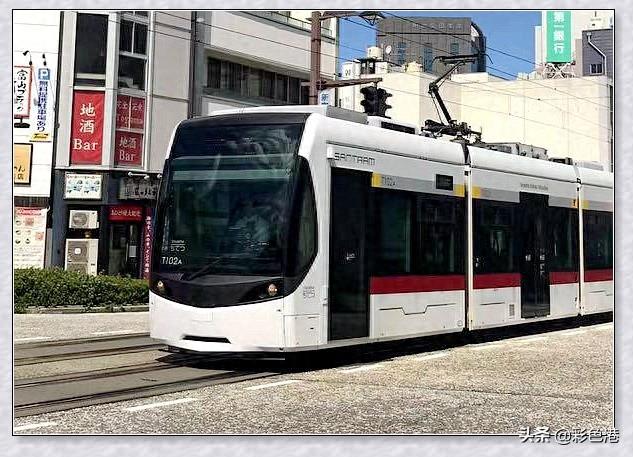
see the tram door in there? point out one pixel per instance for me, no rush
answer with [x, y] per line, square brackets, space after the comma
[349, 280]
[535, 238]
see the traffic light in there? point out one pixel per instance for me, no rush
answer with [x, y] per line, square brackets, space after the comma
[370, 103]
[382, 96]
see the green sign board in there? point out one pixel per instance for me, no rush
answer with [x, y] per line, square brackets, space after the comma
[558, 36]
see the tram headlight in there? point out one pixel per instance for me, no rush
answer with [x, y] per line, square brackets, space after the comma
[160, 287]
[272, 290]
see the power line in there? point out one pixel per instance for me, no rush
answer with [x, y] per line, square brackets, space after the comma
[153, 30]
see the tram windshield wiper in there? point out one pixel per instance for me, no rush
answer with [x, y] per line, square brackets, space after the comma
[208, 268]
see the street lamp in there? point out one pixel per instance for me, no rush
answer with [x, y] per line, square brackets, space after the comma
[371, 17]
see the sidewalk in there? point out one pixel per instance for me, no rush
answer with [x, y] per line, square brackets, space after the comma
[49, 327]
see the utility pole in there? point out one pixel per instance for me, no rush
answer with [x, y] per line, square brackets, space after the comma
[315, 45]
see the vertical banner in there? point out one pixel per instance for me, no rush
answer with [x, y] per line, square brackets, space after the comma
[22, 77]
[86, 137]
[22, 162]
[130, 124]
[148, 230]
[29, 237]
[558, 36]
[42, 133]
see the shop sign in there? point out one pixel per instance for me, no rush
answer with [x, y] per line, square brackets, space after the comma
[558, 36]
[29, 237]
[125, 213]
[130, 112]
[128, 148]
[83, 186]
[22, 161]
[131, 188]
[43, 78]
[147, 243]
[86, 137]
[22, 77]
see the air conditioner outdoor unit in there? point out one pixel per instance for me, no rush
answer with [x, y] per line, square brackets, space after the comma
[82, 219]
[81, 255]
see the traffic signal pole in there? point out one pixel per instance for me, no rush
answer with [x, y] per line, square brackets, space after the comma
[315, 57]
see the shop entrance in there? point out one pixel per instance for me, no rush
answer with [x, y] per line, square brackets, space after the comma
[124, 249]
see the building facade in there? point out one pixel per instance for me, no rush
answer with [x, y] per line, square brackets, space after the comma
[35, 60]
[257, 58]
[422, 39]
[120, 97]
[597, 52]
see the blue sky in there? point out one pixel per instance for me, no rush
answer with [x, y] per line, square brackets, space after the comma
[508, 31]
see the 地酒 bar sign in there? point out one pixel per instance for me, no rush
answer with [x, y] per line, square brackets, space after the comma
[130, 122]
[558, 36]
[86, 136]
[125, 213]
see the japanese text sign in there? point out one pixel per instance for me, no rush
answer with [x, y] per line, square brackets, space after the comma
[128, 148]
[86, 137]
[22, 77]
[558, 36]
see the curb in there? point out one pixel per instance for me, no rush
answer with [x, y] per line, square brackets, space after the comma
[83, 310]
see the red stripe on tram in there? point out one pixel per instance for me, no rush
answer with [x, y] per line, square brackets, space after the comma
[599, 275]
[407, 284]
[497, 280]
[564, 277]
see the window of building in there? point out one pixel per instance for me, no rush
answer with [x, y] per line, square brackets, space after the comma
[454, 49]
[598, 239]
[450, 26]
[230, 78]
[401, 52]
[132, 54]
[458, 26]
[441, 25]
[427, 58]
[595, 69]
[91, 44]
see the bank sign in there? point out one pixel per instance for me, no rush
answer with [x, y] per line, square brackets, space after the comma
[558, 37]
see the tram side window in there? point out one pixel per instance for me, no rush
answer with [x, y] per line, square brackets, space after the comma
[302, 238]
[495, 240]
[441, 235]
[564, 233]
[598, 239]
[392, 232]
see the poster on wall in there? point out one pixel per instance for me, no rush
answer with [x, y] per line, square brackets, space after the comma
[29, 237]
[82, 186]
[22, 77]
[130, 122]
[86, 136]
[22, 162]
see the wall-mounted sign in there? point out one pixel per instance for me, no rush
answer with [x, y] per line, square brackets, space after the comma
[148, 233]
[125, 213]
[22, 161]
[29, 237]
[128, 148]
[130, 112]
[43, 79]
[22, 77]
[138, 189]
[558, 36]
[83, 186]
[86, 137]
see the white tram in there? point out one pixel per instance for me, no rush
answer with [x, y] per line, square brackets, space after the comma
[303, 228]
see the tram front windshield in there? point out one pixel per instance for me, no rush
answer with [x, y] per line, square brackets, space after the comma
[224, 203]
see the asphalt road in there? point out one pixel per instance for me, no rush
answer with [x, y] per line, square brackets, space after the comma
[560, 379]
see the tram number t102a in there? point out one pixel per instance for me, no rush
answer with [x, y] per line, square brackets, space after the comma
[170, 260]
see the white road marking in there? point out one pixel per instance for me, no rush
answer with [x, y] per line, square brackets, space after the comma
[437, 355]
[573, 332]
[603, 327]
[111, 332]
[272, 384]
[33, 338]
[486, 346]
[33, 426]
[159, 404]
[529, 340]
[361, 368]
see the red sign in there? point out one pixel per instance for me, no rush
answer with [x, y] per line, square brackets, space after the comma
[147, 243]
[125, 213]
[128, 148]
[86, 136]
[130, 112]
